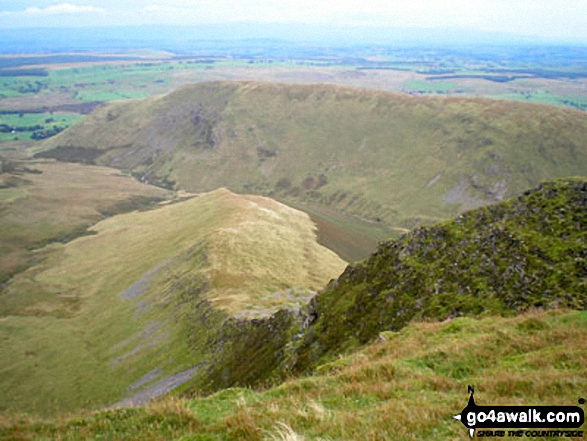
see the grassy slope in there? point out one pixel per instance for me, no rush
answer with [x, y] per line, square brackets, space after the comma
[405, 388]
[502, 259]
[42, 202]
[403, 160]
[28, 120]
[150, 291]
[521, 253]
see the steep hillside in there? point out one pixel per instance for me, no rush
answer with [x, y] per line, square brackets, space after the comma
[405, 388]
[142, 304]
[396, 160]
[503, 259]
[528, 252]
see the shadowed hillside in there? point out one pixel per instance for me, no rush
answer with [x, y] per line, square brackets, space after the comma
[396, 160]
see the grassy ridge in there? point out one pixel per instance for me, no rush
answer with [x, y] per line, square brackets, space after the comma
[506, 258]
[514, 256]
[407, 387]
[147, 295]
[395, 159]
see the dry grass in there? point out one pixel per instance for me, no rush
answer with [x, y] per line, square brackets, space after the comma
[401, 389]
[284, 432]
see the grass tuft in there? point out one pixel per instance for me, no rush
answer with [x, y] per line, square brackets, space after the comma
[357, 402]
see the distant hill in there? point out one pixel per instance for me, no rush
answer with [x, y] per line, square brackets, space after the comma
[392, 159]
[136, 307]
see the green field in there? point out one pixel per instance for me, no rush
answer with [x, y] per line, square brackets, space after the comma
[27, 126]
[8, 195]
[439, 87]
[546, 97]
[109, 95]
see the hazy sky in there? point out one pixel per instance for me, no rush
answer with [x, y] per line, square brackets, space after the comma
[550, 19]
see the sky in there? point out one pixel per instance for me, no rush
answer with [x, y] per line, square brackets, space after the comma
[564, 20]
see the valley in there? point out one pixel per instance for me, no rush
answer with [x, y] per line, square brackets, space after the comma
[410, 380]
[236, 244]
[44, 202]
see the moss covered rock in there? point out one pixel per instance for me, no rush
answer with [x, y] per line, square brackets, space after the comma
[528, 252]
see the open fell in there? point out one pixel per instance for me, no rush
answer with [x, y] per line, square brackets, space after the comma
[42, 202]
[518, 255]
[168, 307]
[504, 259]
[515, 257]
[395, 160]
[144, 302]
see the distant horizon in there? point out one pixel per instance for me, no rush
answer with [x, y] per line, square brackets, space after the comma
[185, 37]
[564, 21]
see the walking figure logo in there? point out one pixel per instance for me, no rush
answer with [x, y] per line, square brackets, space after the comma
[470, 405]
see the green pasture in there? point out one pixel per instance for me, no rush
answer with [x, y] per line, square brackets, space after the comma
[23, 123]
[430, 86]
[546, 97]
